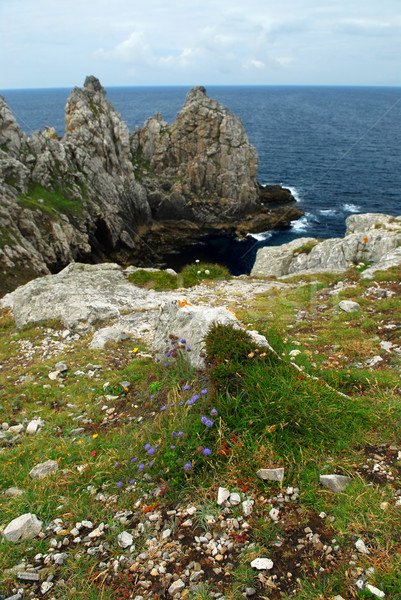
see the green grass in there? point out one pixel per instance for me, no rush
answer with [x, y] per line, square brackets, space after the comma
[191, 275]
[50, 202]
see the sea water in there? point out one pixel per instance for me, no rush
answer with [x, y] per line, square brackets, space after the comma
[338, 149]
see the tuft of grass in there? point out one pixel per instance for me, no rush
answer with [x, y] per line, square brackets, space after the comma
[157, 280]
[50, 202]
[199, 271]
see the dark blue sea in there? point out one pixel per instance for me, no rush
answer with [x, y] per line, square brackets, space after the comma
[338, 149]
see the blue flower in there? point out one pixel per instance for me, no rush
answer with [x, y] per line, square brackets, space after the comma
[204, 392]
[186, 387]
[182, 341]
[152, 396]
[181, 403]
[163, 408]
[120, 484]
[206, 421]
[151, 451]
[172, 447]
[151, 464]
[141, 467]
[188, 466]
[147, 446]
[132, 481]
[213, 412]
[134, 459]
[180, 433]
[166, 364]
[174, 434]
[207, 451]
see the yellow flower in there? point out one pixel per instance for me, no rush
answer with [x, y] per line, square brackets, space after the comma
[135, 350]
[95, 435]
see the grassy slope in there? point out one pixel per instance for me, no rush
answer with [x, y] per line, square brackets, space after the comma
[268, 414]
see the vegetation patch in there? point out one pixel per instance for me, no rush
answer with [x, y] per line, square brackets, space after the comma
[50, 202]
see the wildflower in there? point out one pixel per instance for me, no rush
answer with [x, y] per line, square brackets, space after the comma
[209, 423]
[151, 464]
[152, 396]
[172, 447]
[174, 434]
[172, 404]
[188, 349]
[163, 408]
[197, 260]
[207, 272]
[203, 391]
[147, 446]
[180, 433]
[95, 435]
[134, 459]
[182, 341]
[93, 452]
[166, 365]
[213, 412]
[167, 353]
[199, 272]
[188, 466]
[135, 350]
[141, 467]
[132, 481]
[181, 403]
[186, 387]
[157, 359]
[120, 484]
[207, 451]
[151, 451]
[200, 449]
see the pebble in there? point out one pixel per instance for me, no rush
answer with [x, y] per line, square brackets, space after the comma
[262, 564]
[361, 547]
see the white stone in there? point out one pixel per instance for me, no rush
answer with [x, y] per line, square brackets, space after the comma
[46, 586]
[14, 491]
[271, 474]
[262, 564]
[335, 483]
[43, 469]
[125, 539]
[34, 426]
[375, 591]
[60, 558]
[361, 547]
[223, 494]
[176, 587]
[235, 499]
[25, 527]
[166, 534]
[349, 306]
[273, 514]
[247, 507]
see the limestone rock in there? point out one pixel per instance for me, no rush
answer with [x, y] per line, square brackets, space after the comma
[335, 483]
[271, 474]
[176, 587]
[262, 564]
[43, 469]
[192, 323]
[370, 239]
[108, 334]
[125, 539]
[25, 527]
[349, 306]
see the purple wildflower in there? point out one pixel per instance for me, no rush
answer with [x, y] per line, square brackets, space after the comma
[134, 459]
[167, 353]
[151, 451]
[157, 359]
[166, 364]
[151, 464]
[141, 467]
[213, 412]
[132, 481]
[147, 446]
[174, 434]
[186, 387]
[163, 408]
[206, 421]
[203, 420]
[172, 447]
[182, 341]
[188, 466]
[188, 349]
[207, 451]
[203, 391]
[181, 403]
[120, 484]
[180, 433]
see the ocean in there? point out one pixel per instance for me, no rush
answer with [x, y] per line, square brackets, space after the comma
[338, 149]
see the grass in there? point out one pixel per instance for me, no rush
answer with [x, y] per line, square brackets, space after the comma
[194, 431]
[50, 202]
[191, 275]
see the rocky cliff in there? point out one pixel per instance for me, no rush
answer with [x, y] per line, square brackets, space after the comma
[99, 193]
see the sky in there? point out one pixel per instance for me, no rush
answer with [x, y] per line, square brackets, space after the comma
[57, 43]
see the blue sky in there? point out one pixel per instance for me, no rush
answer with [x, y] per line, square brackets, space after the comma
[56, 43]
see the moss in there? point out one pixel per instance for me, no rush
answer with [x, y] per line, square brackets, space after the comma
[306, 248]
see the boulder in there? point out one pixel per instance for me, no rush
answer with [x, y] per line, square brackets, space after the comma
[25, 527]
[108, 334]
[349, 306]
[271, 474]
[192, 323]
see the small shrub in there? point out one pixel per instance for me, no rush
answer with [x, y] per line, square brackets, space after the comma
[198, 272]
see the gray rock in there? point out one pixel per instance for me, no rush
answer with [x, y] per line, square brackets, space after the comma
[25, 527]
[349, 306]
[276, 260]
[180, 318]
[14, 491]
[223, 494]
[271, 474]
[34, 426]
[62, 366]
[59, 558]
[176, 587]
[335, 483]
[108, 334]
[44, 469]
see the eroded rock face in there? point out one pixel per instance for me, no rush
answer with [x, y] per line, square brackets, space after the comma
[372, 239]
[98, 194]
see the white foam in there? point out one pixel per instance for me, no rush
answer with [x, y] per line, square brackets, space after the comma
[293, 191]
[328, 212]
[260, 237]
[300, 224]
[351, 208]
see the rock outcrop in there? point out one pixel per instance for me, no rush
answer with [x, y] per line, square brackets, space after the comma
[371, 240]
[98, 193]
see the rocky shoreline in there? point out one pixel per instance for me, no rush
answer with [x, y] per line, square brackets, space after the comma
[99, 193]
